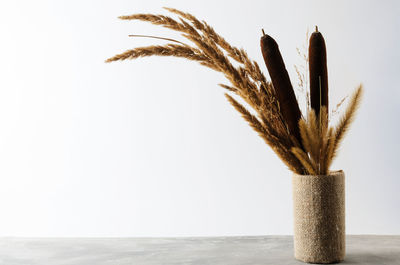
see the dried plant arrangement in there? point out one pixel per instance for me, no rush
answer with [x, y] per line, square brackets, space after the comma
[306, 144]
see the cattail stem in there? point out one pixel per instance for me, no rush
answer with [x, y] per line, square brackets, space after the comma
[283, 88]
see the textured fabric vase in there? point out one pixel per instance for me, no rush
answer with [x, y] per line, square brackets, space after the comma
[319, 217]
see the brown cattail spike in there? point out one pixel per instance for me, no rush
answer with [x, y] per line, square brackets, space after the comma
[283, 88]
[318, 72]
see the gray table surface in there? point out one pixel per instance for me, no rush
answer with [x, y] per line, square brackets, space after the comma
[248, 250]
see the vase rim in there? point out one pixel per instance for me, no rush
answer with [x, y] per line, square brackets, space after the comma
[331, 173]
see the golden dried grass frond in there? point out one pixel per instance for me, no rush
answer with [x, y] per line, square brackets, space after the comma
[162, 20]
[305, 137]
[330, 145]
[323, 120]
[347, 119]
[208, 42]
[158, 50]
[305, 160]
[209, 49]
[230, 88]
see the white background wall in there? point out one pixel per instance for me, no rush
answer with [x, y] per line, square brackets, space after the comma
[152, 148]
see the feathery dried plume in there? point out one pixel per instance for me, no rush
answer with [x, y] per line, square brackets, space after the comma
[330, 147]
[347, 119]
[167, 50]
[230, 88]
[305, 160]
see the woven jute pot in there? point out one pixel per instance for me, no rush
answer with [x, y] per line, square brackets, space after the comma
[319, 217]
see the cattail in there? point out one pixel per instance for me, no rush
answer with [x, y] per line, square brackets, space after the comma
[283, 88]
[318, 72]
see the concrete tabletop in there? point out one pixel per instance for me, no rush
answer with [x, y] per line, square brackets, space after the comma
[249, 250]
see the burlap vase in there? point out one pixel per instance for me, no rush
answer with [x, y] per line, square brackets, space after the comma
[319, 217]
